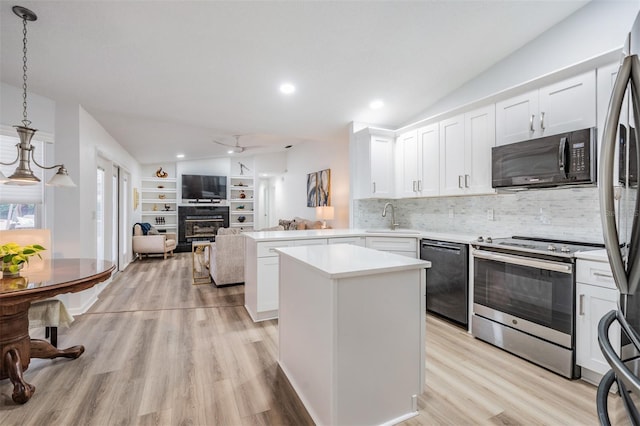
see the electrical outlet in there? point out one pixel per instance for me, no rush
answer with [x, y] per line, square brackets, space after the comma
[450, 213]
[490, 214]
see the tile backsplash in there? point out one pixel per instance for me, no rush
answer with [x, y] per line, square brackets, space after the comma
[565, 214]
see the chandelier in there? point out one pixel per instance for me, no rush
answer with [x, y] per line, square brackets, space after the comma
[23, 174]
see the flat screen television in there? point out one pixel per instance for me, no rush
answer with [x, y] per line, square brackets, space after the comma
[200, 187]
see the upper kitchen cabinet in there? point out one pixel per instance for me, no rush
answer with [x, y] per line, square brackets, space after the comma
[465, 152]
[373, 164]
[606, 77]
[418, 162]
[559, 107]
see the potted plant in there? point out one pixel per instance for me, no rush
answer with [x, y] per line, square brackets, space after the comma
[15, 256]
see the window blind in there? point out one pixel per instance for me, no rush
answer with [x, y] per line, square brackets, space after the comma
[20, 194]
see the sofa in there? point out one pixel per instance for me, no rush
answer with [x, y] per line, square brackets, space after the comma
[226, 257]
[298, 223]
[152, 242]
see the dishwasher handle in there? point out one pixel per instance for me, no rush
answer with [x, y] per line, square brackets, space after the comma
[442, 246]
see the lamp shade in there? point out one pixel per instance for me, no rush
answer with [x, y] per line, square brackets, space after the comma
[61, 179]
[324, 213]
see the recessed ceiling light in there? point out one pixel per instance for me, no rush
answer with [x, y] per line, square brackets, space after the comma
[230, 151]
[180, 156]
[376, 104]
[287, 88]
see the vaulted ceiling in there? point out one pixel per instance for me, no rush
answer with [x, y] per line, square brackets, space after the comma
[167, 77]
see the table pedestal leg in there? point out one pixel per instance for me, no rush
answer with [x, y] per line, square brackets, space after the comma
[22, 391]
[44, 349]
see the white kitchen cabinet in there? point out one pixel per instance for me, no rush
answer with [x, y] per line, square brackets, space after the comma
[398, 245]
[373, 164]
[452, 156]
[465, 152]
[356, 241]
[480, 137]
[560, 107]
[262, 275]
[606, 77]
[596, 295]
[418, 165]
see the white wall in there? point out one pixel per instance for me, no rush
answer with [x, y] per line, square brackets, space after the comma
[41, 111]
[79, 139]
[599, 27]
[308, 157]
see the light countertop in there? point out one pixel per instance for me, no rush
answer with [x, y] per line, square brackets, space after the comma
[336, 233]
[597, 255]
[344, 260]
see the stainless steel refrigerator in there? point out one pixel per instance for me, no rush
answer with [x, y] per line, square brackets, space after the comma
[619, 210]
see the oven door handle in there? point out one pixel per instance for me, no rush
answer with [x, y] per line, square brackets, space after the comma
[524, 261]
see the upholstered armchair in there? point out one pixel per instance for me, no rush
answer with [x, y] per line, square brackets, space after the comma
[153, 244]
[226, 257]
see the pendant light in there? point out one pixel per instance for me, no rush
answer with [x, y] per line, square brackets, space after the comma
[23, 174]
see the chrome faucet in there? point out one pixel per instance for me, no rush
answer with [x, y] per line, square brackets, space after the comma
[393, 215]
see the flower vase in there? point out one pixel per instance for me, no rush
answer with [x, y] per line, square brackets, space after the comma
[7, 273]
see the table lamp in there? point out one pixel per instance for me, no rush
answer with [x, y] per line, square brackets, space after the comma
[324, 213]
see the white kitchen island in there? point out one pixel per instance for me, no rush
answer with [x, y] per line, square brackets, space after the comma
[351, 332]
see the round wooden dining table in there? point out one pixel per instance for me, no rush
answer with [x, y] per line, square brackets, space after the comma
[55, 276]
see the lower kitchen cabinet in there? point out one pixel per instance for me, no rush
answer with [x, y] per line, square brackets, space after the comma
[262, 273]
[596, 295]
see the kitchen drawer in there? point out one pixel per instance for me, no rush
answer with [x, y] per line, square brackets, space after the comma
[356, 241]
[266, 249]
[392, 244]
[594, 273]
[310, 242]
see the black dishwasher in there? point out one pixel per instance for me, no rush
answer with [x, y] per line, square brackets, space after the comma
[447, 279]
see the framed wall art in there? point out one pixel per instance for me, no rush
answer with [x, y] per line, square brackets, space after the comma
[319, 188]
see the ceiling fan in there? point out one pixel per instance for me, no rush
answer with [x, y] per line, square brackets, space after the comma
[236, 149]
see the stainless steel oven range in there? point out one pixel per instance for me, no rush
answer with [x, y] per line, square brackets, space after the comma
[524, 298]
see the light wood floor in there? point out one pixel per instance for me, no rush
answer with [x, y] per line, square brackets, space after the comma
[160, 351]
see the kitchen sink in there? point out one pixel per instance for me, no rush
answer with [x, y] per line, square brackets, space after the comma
[393, 231]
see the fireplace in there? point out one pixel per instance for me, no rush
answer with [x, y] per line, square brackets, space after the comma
[199, 223]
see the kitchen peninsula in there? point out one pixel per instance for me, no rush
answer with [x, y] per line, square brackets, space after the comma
[261, 260]
[351, 332]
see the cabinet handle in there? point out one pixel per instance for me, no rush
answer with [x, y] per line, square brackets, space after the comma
[466, 181]
[542, 120]
[420, 185]
[460, 181]
[600, 274]
[374, 187]
[581, 303]
[531, 122]
[414, 186]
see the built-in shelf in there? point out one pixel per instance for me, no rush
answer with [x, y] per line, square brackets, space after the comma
[241, 185]
[153, 207]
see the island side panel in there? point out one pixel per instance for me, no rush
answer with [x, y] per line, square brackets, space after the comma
[380, 343]
[306, 345]
[251, 278]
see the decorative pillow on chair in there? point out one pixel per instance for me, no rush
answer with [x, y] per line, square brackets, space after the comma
[286, 224]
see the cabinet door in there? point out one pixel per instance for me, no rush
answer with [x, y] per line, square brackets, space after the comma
[568, 105]
[408, 155]
[452, 156]
[592, 304]
[480, 136]
[381, 166]
[606, 77]
[429, 149]
[268, 271]
[517, 118]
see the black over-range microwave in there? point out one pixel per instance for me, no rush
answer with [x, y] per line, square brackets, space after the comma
[565, 159]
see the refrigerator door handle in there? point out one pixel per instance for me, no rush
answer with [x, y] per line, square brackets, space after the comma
[607, 207]
[634, 240]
